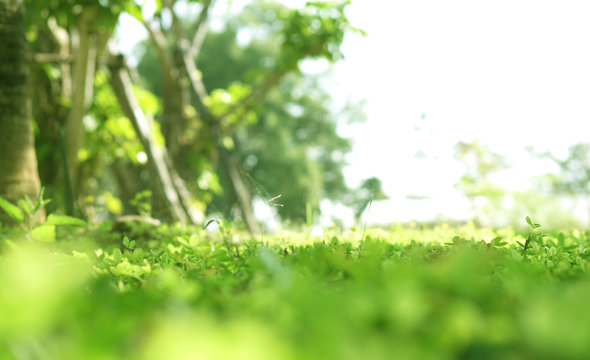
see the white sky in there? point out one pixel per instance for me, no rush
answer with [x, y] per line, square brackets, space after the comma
[508, 73]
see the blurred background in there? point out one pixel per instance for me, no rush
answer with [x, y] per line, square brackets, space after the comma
[409, 111]
[474, 109]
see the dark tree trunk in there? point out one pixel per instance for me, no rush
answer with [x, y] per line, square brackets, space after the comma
[18, 163]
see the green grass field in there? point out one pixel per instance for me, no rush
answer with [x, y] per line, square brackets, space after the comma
[402, 293]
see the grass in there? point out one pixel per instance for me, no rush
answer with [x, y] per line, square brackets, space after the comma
[402, 293]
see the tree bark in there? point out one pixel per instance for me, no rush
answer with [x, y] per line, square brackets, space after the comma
[128, 179]
[18, 163]
[175, 96]
[83, 80]
[239, 189]
[179, 76]
[168, 182]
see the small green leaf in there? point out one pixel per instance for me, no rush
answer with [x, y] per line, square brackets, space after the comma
[44, 233]
[497, 241]
[26, 205]
[128, 244]
[12, 210]
[54, 219]
[117, 254]
[193, 241]
[40, 202]
[134, 10]
[529, 221]
[158, 5]
[181, 240]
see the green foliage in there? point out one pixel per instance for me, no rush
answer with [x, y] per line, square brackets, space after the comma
[369, 190]
[532, 236]
[400, 293]
[13, 211]
[316, 31]
[286, 144]
[67, 12]
[142, 202]
[109, 134]
[574, 175]
[294, 149]
[222, 101]
[481, 163]
[280, 39]
[23, 213]
[478, 184]
[24, 216]
[111, 141]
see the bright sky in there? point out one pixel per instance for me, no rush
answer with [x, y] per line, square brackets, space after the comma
[508, 73]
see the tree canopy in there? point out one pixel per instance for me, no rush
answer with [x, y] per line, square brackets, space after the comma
[211, 120]
[288, 143]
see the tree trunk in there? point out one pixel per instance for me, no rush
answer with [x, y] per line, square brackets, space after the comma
[83, 80]
[128, 178]
[239, 189]
[50, 110]
[179, 76]
[169, 184]
[18, 163]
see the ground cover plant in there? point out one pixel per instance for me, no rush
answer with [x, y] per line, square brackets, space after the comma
[167, 292]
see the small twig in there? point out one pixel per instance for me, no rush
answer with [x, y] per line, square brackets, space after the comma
[175, 21]
[197, 86]
[526, 243]
[201, 32]
[160, 42]
[366, 221]
[52, 57]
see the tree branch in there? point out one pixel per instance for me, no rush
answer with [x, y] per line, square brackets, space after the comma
[197, 86]
[52, 57]
[201, 32]
[189, 55]
[160, 42]
[84, 69]
[169, 4]
[174, 190]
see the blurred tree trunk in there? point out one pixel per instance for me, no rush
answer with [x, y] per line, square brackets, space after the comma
[129, 181]
[170, 188]
[18, 163]
[83, 80]
[62, 79]
[180, 77]
[50, 110]
[239, 190]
